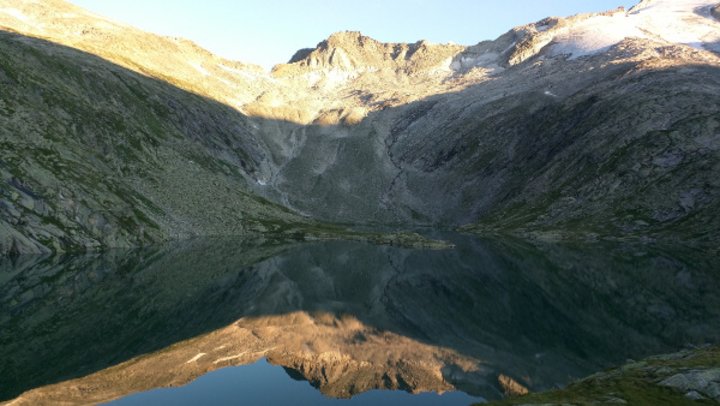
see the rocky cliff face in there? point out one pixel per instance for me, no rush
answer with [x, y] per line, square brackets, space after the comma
[594, 125]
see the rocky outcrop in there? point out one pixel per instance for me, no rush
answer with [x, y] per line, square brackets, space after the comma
[511, 387]
[680, 378]
[696, 383]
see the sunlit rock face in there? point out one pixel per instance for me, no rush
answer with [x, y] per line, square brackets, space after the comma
[595, 125]
[347, 317]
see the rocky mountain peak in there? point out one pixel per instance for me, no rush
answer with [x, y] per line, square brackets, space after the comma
[349, 39]
[351, 50]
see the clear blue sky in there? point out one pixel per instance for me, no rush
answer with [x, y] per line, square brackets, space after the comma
[267, 32]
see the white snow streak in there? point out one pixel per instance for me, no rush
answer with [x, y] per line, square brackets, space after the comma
[195, 358]
[199, 68]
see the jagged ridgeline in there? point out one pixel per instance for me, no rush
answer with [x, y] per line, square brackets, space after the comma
[594, 126]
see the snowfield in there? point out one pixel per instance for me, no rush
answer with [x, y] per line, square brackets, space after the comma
[686, 22]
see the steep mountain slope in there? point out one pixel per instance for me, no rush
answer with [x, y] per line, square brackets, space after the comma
[601, 124]
[594, 125]
[175, 60]
[94, 155]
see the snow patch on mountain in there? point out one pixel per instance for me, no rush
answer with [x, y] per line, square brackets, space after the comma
[687, 22]
[198, 67]
[594, 35]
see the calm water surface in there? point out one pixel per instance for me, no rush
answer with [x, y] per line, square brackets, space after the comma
[264, 384]
[225, 321]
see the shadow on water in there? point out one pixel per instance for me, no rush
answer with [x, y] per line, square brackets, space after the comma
[543, 314]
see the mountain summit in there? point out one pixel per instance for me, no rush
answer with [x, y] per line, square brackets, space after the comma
[350, 50]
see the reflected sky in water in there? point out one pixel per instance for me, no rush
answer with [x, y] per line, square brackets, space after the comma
[263, 383]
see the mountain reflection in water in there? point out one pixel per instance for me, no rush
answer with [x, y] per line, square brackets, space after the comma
[347, 317]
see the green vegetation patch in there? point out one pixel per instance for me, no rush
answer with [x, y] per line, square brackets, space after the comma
[637, 383]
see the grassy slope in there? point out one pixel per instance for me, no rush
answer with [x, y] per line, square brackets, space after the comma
[637, 383]
[95, 155]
